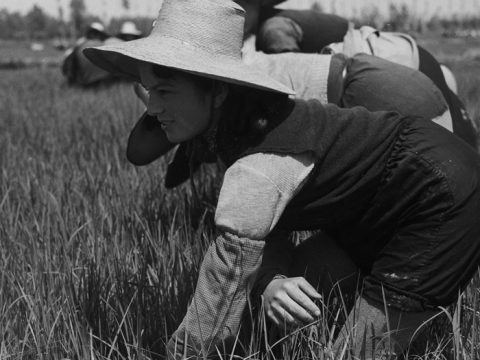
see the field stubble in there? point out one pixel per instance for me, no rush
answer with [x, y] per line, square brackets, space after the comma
[98, 260]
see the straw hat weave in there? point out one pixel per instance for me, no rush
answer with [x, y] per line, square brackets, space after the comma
[203, 37]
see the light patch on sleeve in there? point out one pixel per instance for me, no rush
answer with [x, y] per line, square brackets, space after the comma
[444, 120]
[256, 190]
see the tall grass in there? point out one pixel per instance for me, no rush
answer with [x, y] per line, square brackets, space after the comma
[98, 260]
[96, 256]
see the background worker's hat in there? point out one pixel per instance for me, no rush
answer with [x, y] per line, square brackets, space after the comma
[200, 37]
[129, 28]
[96, 30]
[97, 27]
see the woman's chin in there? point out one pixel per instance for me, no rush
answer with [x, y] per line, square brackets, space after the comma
[175, 138]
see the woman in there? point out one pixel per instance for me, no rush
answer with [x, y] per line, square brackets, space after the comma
[361, 80]
[397, 196]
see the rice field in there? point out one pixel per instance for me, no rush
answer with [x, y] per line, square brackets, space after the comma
[98, 260]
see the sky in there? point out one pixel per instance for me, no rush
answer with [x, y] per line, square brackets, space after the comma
[103, 8]
[425, 8]
[106, 9]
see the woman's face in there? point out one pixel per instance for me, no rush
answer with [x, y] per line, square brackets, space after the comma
[178, 102]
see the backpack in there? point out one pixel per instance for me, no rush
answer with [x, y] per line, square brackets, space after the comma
[399, 48]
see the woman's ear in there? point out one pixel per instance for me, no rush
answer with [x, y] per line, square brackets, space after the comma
[221, 90]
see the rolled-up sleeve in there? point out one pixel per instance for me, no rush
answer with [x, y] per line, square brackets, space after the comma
[254, 194]
[226, 276]
[256, 190]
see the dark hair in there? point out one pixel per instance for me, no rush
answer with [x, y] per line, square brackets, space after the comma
[247, 113]
[250, 112]
[246, 107]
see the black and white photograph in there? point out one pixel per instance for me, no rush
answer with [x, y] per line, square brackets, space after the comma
[239, 179]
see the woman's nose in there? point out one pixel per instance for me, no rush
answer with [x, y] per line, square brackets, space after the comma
[155, 105]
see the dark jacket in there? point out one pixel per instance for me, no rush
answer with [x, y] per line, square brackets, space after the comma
[399, 195]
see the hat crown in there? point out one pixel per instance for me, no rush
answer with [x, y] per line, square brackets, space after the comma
[213, 26]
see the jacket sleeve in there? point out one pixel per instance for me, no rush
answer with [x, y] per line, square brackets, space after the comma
[224, 282]
[276, 262]
[254, 194]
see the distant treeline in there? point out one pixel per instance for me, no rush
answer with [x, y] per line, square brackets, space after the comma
[38, 25]
[401, 19]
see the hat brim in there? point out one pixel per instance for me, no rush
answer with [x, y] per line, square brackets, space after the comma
[122, 59]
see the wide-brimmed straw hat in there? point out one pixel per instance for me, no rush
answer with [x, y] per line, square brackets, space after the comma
[202, 37]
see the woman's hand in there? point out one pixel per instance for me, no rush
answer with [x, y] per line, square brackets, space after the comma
[289, 302]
